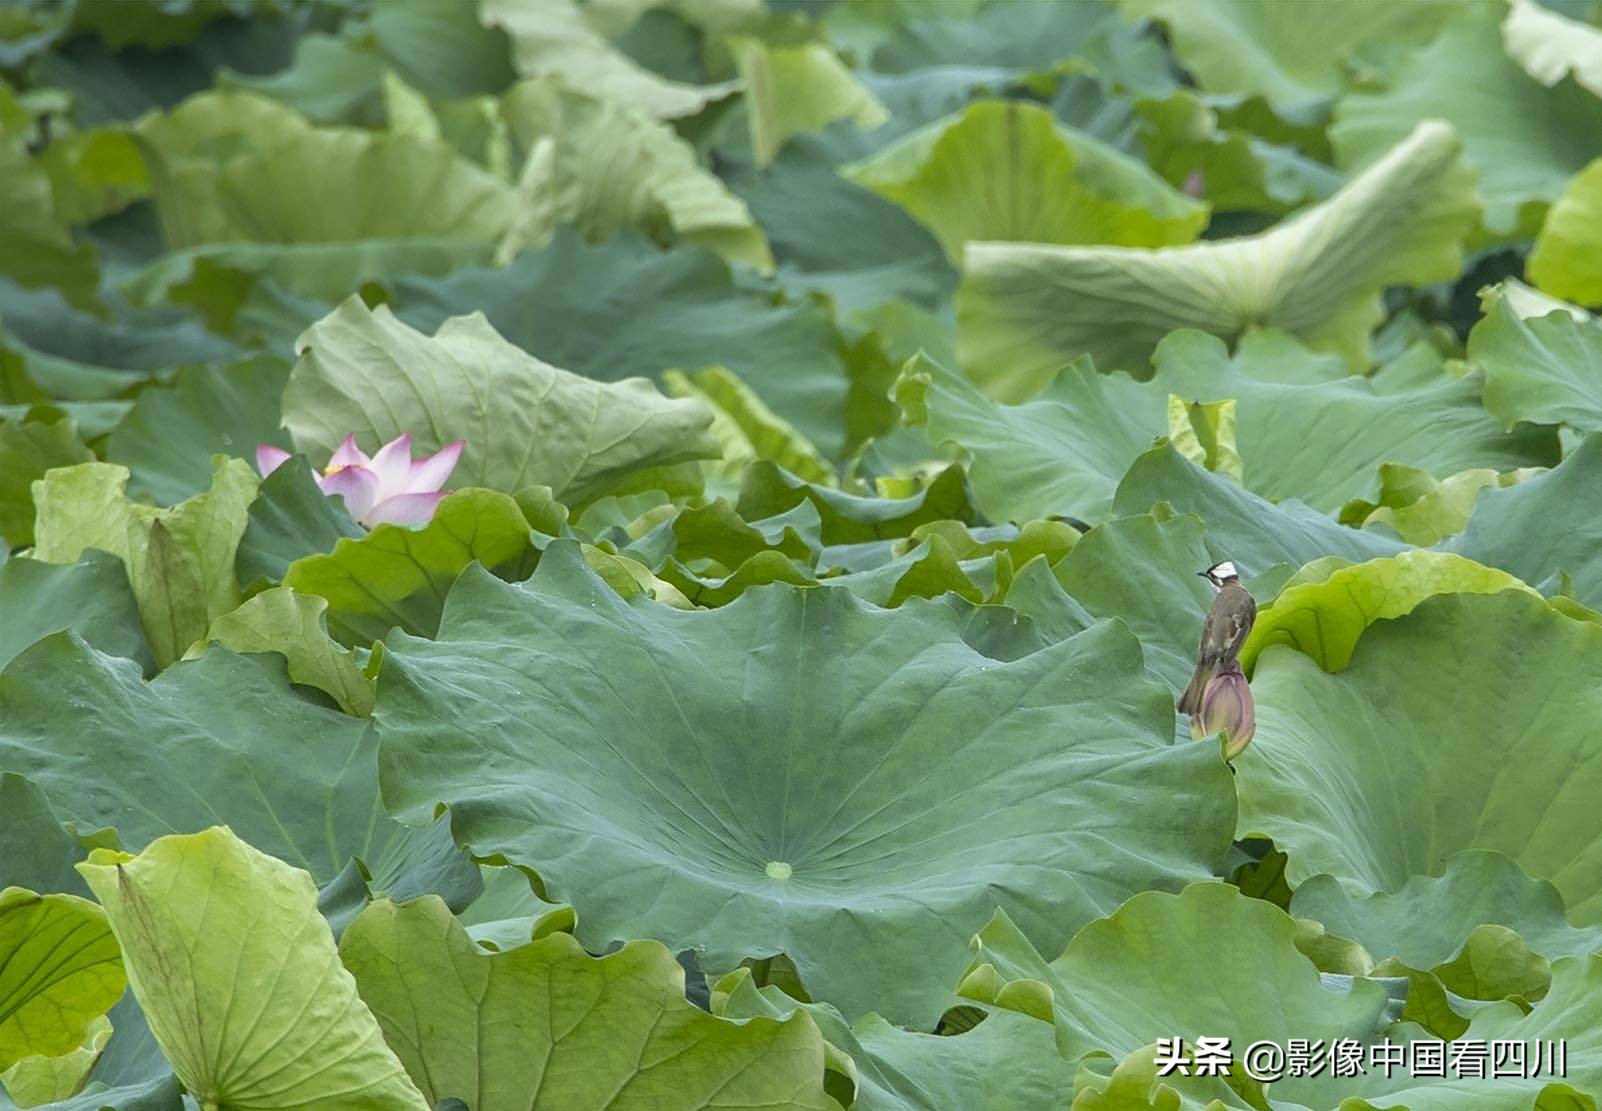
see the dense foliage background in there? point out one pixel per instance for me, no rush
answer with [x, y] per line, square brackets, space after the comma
[778, 711]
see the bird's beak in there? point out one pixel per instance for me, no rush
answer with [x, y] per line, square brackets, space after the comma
[1203, 574]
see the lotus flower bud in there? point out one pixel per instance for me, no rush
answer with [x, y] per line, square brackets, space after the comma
[1226, 709]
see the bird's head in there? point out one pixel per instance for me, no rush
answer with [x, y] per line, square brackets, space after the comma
[1220, 573]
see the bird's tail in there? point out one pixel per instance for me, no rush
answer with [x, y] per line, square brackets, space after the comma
[1190, 702]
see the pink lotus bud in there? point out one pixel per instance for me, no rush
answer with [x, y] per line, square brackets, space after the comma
[1226, 709]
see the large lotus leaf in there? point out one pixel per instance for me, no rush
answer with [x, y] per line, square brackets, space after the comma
[1323, 611]
[767, 490]
[223, 738]
[1571, 1013]
[279, 620]
[1006, 1063]
[604, 166]
[1144, 571]
[558, 38]
[1424, 510]
[1208, 961]
[1426, 921]
[830, 234]
[746, 429]
[620, 309]
[45, 437]
[1296, 56]
[36, 850]
[240, 979]
[398, 577]
[1511, 528]
[1564, 259]
[222, 278]
[832, 794]
[1186, 138]
[230, 166]
[1539, 368]
[526, 422]
[1060, 452]
[173, 430]
[1241, 525]
[1550, 45]
[793, 89]
[1525, 140]
[1023, 311]
[90, 597]
[1459, 726]
[547, 1025]
[290, 518]
[36, 248]
[180, 561]
[59, 970]
[38, 1079]
[1005, 170]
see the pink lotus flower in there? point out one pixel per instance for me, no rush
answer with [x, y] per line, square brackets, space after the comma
[390, 488]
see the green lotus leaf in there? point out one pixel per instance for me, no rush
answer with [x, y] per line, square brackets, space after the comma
[1563, 262]
[1208, 961]
[1136, 1084]
[768, 490]
[1568, 1013]
[1064, 450]
[38, 1080]
[59, 970]
[36, 248]
[1511, 528]
[623, 308]
[290, 518]
[222, 737]
[1468, 754]
[398, 577]
[1518, 134]
[231, 166]
[1424, 510]
[45, 437]
[173, 430]
[220, 279]
[526, 422]
[279, 620]
[1025, 310]
[1241, 526]
[90, 597]
[794, 89]
[36, 851]
[830, 872]
[1427, 921]
[612, 1031]
[180, 561]
[1007, 1062]
[832, 235]
[1005, 170]
[1539, 368]
[1551, 46]
[1185, 133]
[604, 166]
[558, 38]
[1323, 611]
[1145, 571]
[1296, 58]
[240, 979]
[746, 429]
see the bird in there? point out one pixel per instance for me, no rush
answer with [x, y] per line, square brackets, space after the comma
[1228, 621]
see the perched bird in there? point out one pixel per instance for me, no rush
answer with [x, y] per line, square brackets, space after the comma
[1223, 632]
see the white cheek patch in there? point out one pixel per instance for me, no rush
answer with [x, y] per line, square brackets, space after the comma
[1225, 570]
